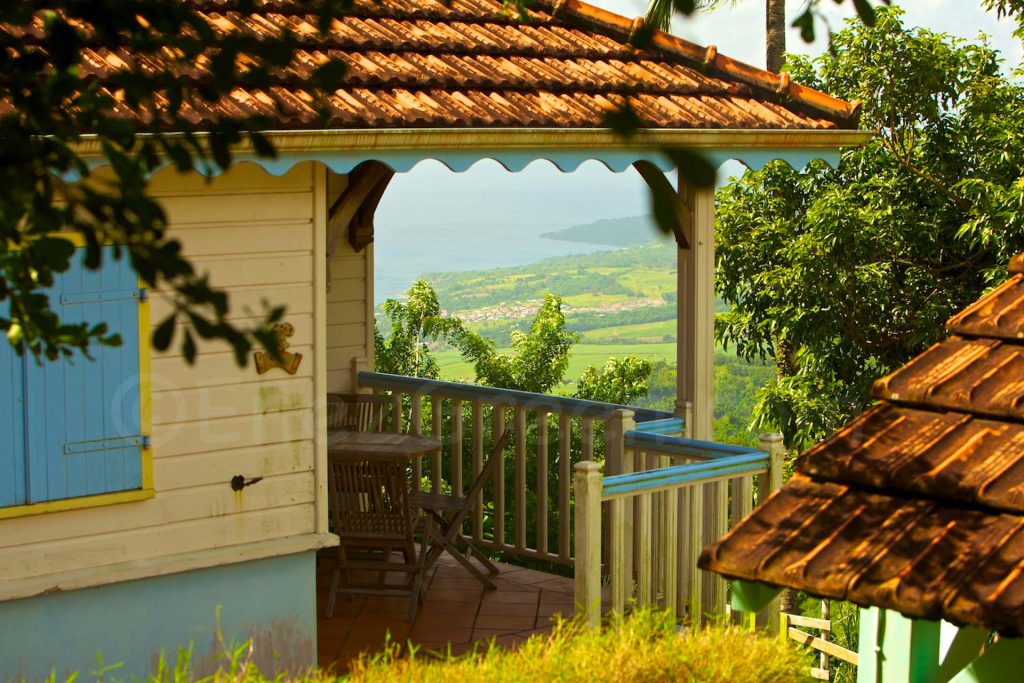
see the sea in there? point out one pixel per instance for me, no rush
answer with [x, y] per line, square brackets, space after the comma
[402, 253]
[432, 220]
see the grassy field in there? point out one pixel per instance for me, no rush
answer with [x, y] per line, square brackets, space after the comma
[453, 368]
[645, 332]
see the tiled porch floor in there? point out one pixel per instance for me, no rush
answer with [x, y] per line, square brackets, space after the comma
[456, 610]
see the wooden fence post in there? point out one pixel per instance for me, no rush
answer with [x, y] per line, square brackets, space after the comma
[617, 536]
[587, 492]
[773, 445]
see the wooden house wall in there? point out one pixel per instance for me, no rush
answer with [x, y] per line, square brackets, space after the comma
[349, 307]
[256, 234]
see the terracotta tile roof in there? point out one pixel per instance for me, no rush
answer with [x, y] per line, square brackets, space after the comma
[418, 63]
[918, 504]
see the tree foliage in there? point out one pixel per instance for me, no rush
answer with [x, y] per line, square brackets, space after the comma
[539, 357]
[414, 325]
[621, 381]
[857, 268]
[50, 102]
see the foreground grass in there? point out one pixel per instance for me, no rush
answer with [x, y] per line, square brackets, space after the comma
[643, 647]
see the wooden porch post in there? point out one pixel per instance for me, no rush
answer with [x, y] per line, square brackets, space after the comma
[695, 366]
[695, 345]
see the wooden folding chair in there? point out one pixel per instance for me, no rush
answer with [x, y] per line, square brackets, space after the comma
[358, 412]
[372, 517]
[449, 513]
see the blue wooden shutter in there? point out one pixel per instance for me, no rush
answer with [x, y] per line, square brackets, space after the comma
[84, 435]
[13, 490]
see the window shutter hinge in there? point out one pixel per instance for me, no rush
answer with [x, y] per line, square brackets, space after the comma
[143, 294]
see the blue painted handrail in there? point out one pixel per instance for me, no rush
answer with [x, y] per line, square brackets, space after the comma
[690, 448]
[666, 478]
[669, 426]
[576, 407]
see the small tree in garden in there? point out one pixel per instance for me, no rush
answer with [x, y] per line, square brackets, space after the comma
[414, 323]
[621, 381]
[538, 358]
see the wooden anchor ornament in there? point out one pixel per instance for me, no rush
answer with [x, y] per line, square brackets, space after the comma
[287, 361]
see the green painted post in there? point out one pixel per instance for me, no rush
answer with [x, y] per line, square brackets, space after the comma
[1002, 662]
[896, 649]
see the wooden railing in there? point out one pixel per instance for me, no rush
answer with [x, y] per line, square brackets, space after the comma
[528, 511]
[659, 515]
[790, 625]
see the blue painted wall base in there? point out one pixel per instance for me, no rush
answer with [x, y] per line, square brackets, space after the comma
[271, 601]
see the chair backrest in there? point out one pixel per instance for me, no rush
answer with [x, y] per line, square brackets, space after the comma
[358, 412]
[369, 497]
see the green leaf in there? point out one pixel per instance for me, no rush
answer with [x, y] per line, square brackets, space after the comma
[163, 335]
[805, 22]
[692, 166]
[865, 11]
[188, 348]
[262, 145]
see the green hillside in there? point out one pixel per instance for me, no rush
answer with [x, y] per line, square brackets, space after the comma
[587, 280]
[620, 302]
[618, 232]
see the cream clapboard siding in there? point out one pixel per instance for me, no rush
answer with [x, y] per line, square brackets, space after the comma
[255, 234]
[349, 307]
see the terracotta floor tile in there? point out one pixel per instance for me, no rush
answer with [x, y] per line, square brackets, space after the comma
[516, 609]
[453, 595]
[461, 582]
[510, 642]
[485, 634]
[386, 605]
[559, 585]
[448, 634]
[528, 576]
[505, 621]
[506, 597]
[429, 620]
[455, 608]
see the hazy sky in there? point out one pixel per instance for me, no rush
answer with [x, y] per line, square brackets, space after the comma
[493, 198]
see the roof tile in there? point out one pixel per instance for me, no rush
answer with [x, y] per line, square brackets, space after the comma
[425, 63]
[918, 504]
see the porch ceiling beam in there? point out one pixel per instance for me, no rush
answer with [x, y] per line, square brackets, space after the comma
[680, 210]
[352, 213]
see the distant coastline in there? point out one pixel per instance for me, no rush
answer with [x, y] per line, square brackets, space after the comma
[615, 232]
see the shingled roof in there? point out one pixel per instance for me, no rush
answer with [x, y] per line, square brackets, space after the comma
[918, 504]
[475, 63]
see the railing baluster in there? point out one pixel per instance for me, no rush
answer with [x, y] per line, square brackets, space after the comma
[668, 548]
[715, 525]
[588, 439]
[520, 479]
[564, 446]
[686, 564]
[455, 440]
[498, 417]
[396, 411]
[742, 498]
[435, 431]
[477, 465]
[617, 555]
[415, 401]
[694, 545]
[645, 570]
[542, 482]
